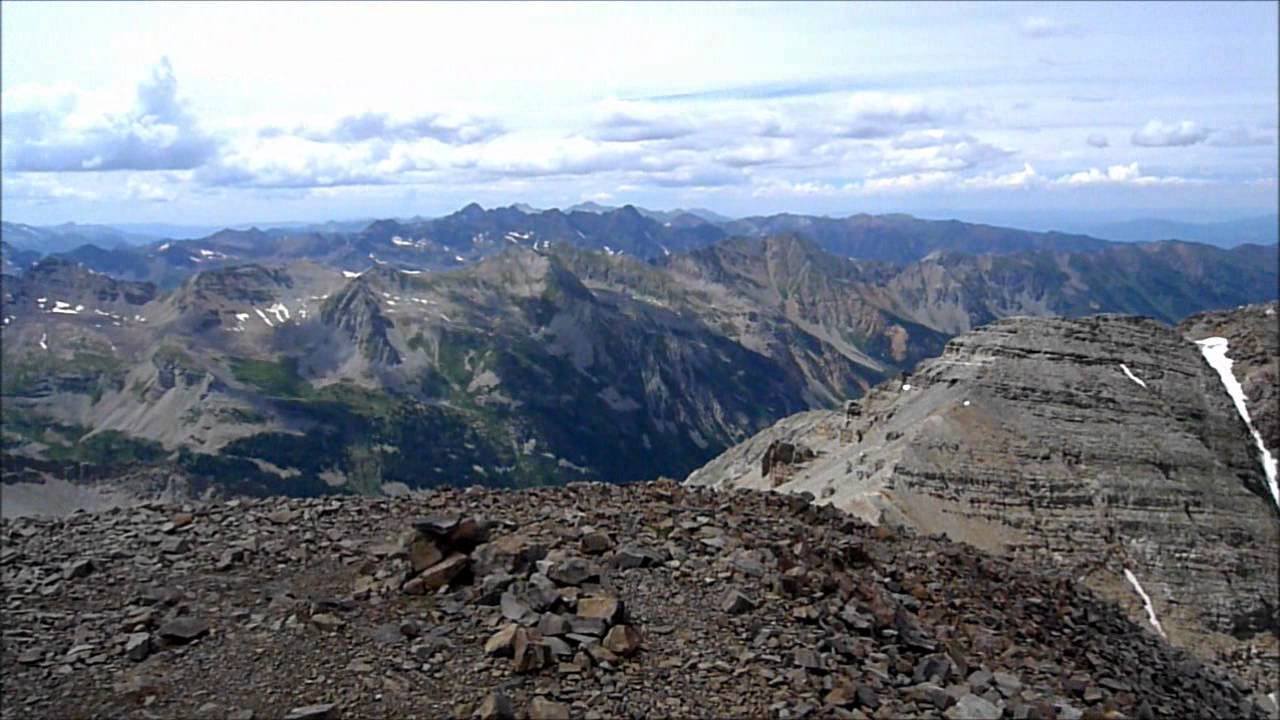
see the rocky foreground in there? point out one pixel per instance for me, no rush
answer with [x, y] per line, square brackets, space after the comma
[586, 601]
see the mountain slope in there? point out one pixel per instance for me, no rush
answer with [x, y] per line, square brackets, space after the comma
[1105, 444]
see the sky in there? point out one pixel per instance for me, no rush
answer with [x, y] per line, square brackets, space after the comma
[209, 113]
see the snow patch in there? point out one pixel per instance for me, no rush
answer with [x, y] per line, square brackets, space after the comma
[263, 316]
[1129, 373]
[458, 258]
[281, 312]
[906, 386]
[1146, 600]
[966, 403]
[43, 337]
[348, 274]
[1214, 350]
[164, 247]
[63, 308]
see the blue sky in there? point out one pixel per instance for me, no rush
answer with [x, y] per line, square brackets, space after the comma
[229, 112]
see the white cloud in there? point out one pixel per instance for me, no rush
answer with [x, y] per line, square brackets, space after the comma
[930, 138]
[1129, 174]
[449, 128]
[957, 156]
[1026, 177]
[759, 152]
[1043, 27]
[42, 188]
[1158, 134]
[148, 190]
[1242, 137]
[878, 114]
[630, 121]
[293, 162]
[55, 130]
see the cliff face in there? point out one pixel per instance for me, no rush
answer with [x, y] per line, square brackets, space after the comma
[1106, 444]
[1253, 338]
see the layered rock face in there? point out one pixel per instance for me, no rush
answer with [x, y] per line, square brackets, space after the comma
[1106, 444]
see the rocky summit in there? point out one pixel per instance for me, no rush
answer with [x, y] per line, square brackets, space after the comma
[1107, 445]
[587, 600]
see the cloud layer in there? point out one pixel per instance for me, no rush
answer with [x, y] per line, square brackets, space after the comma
[62, 144]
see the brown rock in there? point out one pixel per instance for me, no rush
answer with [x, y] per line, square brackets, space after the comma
[443, 572]
[327, 621]
[468, 534]
[541, 708]
[604, 607]
[623, 640]
[495, 706]
[502, 643]
[529, 655]
[595, 543]
[842, 695]
[423, 553]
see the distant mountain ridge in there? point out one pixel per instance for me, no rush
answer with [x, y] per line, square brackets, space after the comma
[527, 366]
[1261, 230]
[474, 233]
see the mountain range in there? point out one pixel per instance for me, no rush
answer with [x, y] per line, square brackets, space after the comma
[884, 237]
[295, 363]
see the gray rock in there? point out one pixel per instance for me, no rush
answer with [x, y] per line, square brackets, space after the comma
[552, 624]
[78, 569]
[322, 711]
[183, 629]
[972, 707]
[138, 646]
[573, 571]
[595, 543]
[735, 602]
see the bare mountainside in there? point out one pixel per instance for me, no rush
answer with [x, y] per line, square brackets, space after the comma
[533, 366]
[1106, 444]
[647, 600]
